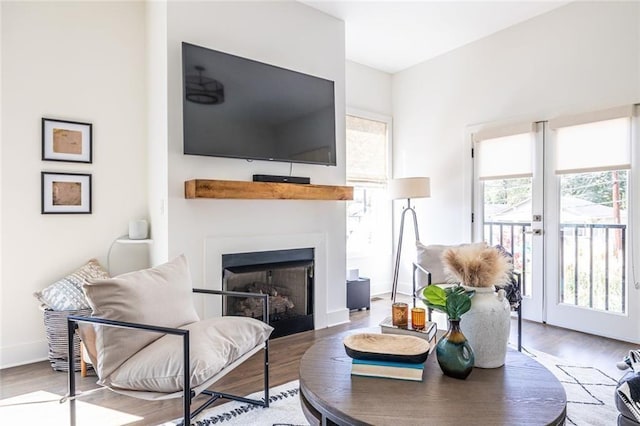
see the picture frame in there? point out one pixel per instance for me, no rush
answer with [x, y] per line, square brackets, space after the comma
[66, 193]
[66, 141]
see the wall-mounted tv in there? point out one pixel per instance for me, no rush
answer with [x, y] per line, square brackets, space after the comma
[240, 108]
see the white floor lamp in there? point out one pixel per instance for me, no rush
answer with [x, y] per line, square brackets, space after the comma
[401, 188]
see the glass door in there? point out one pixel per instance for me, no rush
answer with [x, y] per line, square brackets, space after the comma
[589, 281]
[508, 203]
[567, 219]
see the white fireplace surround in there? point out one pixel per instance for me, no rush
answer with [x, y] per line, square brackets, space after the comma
[215, 247]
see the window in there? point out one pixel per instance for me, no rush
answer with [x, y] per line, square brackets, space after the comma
[369, 214]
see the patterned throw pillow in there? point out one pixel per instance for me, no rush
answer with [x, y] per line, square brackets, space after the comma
[67, 294]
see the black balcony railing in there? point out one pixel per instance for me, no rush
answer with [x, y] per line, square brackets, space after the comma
[514, 238]
[592, 260]
[593, 264]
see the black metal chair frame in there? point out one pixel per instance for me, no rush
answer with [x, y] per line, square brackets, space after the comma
[188, 393]
[518, 310]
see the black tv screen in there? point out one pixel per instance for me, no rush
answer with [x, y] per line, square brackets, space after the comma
[240, 108]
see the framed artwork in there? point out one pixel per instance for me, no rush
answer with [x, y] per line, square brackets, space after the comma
[66, 141]
[66, 193]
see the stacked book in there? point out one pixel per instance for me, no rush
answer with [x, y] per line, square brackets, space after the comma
[428, 332]
[387, 369]
[387, 355]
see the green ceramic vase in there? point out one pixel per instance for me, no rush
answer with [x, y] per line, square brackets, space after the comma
[454, 353]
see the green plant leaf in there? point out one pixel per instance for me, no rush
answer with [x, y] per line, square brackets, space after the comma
[460, 290]
[454, 289]
[435, 296]
[453, 301]
[438, 308]
[457, 304]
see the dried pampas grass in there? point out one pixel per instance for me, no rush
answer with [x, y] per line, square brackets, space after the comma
[477, 265]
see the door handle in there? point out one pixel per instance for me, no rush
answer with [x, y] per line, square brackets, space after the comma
[534, 232]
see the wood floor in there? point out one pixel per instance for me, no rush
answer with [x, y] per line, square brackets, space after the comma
[285, 354]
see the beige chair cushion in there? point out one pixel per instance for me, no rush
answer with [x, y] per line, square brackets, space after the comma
[430, 258]
[214, 344]
[87, 334]
[161, 296]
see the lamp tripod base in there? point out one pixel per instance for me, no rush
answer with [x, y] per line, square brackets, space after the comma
[396, 271]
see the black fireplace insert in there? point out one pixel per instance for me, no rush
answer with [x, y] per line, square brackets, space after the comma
[286, 275]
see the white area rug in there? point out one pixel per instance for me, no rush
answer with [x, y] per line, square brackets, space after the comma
[590, 392]
[284, 410]
[590, 402]
[45, 408]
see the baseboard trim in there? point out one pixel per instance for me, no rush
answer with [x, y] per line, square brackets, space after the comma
[340, 316]
[27, 353]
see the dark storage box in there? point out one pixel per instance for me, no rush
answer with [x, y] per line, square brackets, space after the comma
[358, 294]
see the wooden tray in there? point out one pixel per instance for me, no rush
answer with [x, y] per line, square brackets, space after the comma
[387, 347]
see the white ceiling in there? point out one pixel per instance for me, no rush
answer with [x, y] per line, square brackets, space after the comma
[393, 35]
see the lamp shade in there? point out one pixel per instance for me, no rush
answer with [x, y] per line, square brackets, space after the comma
[411, 187]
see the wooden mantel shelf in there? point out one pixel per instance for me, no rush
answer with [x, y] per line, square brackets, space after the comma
[233, 189]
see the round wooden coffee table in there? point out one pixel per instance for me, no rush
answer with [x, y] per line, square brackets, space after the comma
[522, 392]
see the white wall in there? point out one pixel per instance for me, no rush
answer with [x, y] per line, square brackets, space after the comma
[158, 127]
[368, 89]
[76, 61]
[1, 180]
[581, 57]
[368, 92]
[289, 35]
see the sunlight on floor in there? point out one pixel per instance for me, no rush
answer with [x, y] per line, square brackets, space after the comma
[24, 409]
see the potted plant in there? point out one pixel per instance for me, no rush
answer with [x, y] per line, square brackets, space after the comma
[453, 352]
[486, 324]
[453, 301]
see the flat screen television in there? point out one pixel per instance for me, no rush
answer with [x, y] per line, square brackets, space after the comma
[240, 108]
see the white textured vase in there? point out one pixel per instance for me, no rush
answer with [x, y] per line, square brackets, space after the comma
[486, 326]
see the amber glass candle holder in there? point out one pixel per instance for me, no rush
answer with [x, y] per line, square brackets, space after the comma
[417, 318]
[400, 314]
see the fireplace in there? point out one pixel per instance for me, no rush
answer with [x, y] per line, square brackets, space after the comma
[286, 275]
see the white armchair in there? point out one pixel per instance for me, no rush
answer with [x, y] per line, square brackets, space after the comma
[145, 339]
